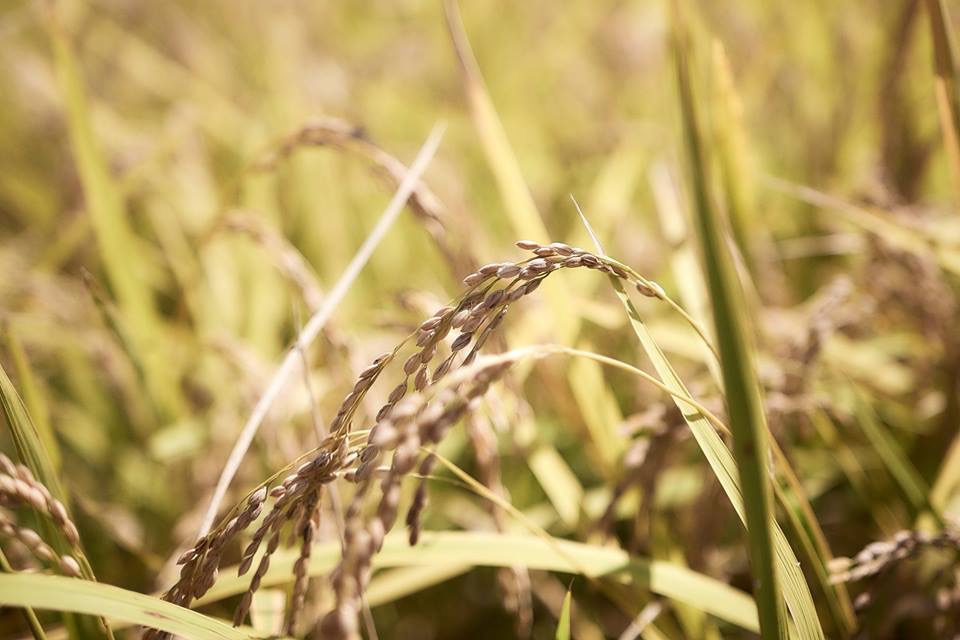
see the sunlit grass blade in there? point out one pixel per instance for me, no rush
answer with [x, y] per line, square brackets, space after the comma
[600, 411]
[665, 546]
[502, 161]
[733, 161]
[266, 612]
[741, 388]
[563, 625]
[36, 629]
[683, 260]
[57, 593]
[531, 551]
[558, 481]
[522, 213]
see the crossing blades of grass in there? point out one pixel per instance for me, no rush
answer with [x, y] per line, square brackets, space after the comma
[796, 592]
[804, 528]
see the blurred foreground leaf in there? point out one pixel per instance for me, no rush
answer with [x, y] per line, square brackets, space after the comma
[58, 593]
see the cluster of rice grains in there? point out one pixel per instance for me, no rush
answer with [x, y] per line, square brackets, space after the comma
[19, 489]
[879, 556]
[884, 556]
[406, 425]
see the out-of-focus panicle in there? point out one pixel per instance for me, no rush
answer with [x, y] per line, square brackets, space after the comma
[879, 556]
[19, 489]
[339, 134]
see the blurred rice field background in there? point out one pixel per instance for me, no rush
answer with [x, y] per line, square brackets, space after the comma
[183, 184]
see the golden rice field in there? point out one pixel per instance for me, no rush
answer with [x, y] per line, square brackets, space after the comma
[461, 319]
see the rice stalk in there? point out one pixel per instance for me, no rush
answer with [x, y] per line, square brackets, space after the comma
[19, 489]
[741, 388]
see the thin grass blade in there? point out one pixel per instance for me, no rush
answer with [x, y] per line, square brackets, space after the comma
[563, 625]
[34, 402]
[906, 475]
[947, 86]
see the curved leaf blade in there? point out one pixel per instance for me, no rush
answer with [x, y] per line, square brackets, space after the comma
[82, 596]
